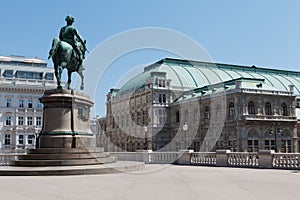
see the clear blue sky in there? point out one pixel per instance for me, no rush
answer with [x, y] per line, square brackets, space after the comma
[265, 33]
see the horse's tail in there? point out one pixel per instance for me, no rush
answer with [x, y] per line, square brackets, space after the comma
[54, 47]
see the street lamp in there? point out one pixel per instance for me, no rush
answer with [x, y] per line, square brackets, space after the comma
[277, 131]
[185, 128]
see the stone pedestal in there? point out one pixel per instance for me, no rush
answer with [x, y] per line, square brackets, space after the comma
[66, 122]
[66, 137]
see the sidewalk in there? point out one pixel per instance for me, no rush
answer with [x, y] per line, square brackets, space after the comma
[157, 182]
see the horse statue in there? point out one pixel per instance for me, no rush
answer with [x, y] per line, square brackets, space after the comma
[65, 57]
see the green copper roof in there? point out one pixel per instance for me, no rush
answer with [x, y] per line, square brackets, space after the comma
[186, 75]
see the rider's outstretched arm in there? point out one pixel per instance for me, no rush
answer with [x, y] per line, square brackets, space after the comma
[78, 36]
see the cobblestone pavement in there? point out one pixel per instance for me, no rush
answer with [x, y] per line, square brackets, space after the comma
[159, 182]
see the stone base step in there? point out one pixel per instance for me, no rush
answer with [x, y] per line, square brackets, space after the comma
[64, 150]
[39, 163]
[115, 167]
[63, 156]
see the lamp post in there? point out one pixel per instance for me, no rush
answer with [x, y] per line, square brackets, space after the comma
[185, 128]
[277, 131]
[145, 138]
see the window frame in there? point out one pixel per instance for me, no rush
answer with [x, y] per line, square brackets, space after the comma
[251, 108]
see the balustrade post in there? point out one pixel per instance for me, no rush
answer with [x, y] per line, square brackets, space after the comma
[184, 157]
[222, 158]
[145, 156]
[265, 159]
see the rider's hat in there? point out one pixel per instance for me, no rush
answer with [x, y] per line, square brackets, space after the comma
[69, 18]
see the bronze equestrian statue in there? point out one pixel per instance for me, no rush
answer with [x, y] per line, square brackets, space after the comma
[68, 51]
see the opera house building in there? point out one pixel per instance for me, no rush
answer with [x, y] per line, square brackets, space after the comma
[191, 105]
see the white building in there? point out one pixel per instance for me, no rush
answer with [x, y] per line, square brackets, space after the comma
[22, 82]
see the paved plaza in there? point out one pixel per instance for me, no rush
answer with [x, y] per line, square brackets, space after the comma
[159, 182]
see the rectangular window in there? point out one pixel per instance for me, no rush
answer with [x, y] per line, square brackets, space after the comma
[8, 103]
[29, 121]
[164, 98]
[132, 119]
[206, 112]
[253, 145]
[30, 139]
[159, 98]
[38, 121]
[139, 118]
[145, 117]
[29, 103]
[7, 139]
[285, 146]
[21, 139]
[270, 144]
[39, 105]
[49, 76]
[8, 73]
[29, 75]
[232, 144]
[8, 121]
[21, 103]
[20, 120]
[20, 74]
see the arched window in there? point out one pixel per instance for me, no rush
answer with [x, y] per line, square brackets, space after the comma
[284, 109]
[251, 108]
[231, 109]
[177, 116]
[206, 112]
[268, 108]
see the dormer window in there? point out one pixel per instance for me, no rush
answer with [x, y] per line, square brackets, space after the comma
[161, 83]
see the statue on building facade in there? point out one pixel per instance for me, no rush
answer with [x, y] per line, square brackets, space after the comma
[68, 51]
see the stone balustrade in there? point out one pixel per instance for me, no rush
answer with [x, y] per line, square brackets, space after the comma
[5, 159]
[221, 158]
[243, 159]
[205, 159]
[163, 158]
[286, 161]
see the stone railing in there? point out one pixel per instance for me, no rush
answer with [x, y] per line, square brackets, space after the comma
[270, 117]
[205, 159]
[222, 158]
[148, 157]
[243, 159]
[286, 161]
[5, 159]
[162, 158]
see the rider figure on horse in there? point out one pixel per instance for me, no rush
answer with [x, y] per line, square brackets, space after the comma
[70, 35]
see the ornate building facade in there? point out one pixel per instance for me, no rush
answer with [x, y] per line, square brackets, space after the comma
[22, 82]
[178, 104]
